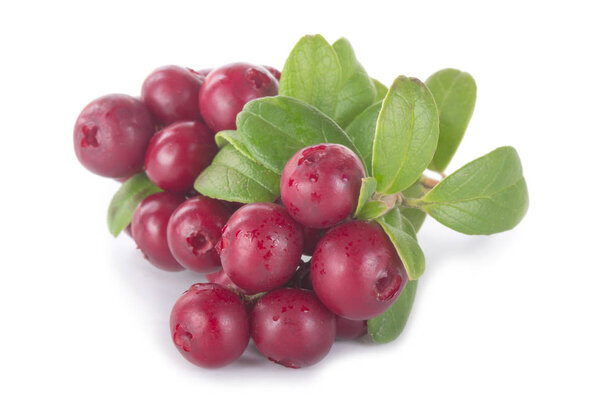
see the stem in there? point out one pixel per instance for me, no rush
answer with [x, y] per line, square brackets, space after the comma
[429, 183]
[412, 203]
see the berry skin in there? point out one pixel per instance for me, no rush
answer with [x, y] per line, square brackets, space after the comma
[261, 247]
[111, 135]
[292, 328]
[222, 279]
[193, 232]
[348, 329]
[320, 185]
[149, 229]
[178, 153]
[356, 271]
[209, 325]
[171, 94]
[227, 89]
[275, 72]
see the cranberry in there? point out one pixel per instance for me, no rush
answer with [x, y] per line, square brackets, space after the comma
[171, 94]
[275, 72]
[320, 184]
[311, 238]
[227, 89]
[292, 328]
[193, 231]
[222, 279]
[111, 135]
[348, 329]
[261, 247]
[177, 154]
[149, 229]
[356, 271]
[209, 325]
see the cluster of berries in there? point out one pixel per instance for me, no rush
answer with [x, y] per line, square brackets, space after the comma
[292, 275]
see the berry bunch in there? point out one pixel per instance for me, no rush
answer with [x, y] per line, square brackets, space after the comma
[298, 194]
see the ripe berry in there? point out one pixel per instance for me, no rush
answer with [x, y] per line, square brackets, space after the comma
[222, 279]
[275, 72]
[149, 229]
[227, 89]
[348, 329]
[292, 328]
[261, 247]
[320, 184]
[178, 153]
[356, 271]
[171, 94]
[194, 230]
[209, 325]
[111, 135]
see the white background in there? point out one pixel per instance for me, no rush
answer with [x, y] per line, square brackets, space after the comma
[515, 315]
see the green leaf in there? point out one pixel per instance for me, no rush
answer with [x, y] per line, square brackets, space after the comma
[455, 93]
[362, 131]
[404, 237]
[273, 129]
[357, 90]
[388, 326]
[488, 195]
[313, 73]
[416, 216]
[406, 135]
[234, 177]
[373, 209]
[367, 188]
[126, 199]
[380, 90]
[234, 138]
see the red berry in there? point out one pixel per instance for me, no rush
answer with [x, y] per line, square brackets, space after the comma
[320, 184]
[275, 72]
[261, 247]
[194, 230]
[209, 325]
[177, 154]
[348, 329]
[171, 94]
[227, 89]
[111, 135]
[292, 328]
[222, 279]
[356, 271]
[149, 229]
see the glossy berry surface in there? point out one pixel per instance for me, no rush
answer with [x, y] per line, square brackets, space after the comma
[194, 230]
[171, 94]
[348, 329]
[274, 71]
[261, 247]
[356, 271]
[111, 135]
[149, 229]
[178, 153]
[292, 328]
[209, 325]
[222, 279]
[227, 89]
[320, 184]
